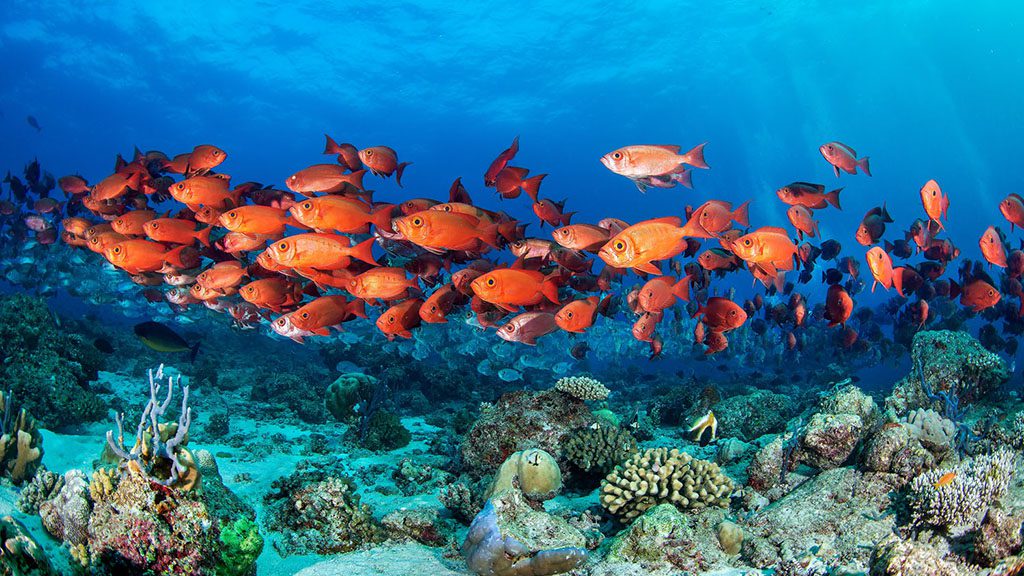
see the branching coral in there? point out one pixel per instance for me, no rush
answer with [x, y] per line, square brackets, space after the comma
[582, 387]
[660, 476]
[21, 445]
[599, 448]
[159, 452]
[957, 499]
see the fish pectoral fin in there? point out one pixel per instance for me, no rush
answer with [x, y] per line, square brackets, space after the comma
[648, 267]
[836, 168]
[640, 185]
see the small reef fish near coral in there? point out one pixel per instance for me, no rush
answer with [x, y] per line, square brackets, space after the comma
[564, 290]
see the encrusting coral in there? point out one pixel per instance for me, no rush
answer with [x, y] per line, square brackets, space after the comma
[582, 387]
[159, 453]
[21, 445]
[660, 476]
[957, 500]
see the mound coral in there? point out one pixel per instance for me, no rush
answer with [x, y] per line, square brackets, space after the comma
[935, 432]
[159, 453]
[346, 392]
[957, 500]
[660, 476]
[520, 420]
[509, 538]
[319, 513]
[533, 471]
[45, 367]
[582, 387]
[66, 515]
[21, 445]
[597, 449]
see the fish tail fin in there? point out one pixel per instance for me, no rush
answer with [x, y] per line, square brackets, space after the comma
[695, 157]
[741, 215]
[356, 179]
[331, 147]
[945, 206]
[897, 280]
[507, 230]
[401, 168]
[564, 218]
[681, 289]
[863, 164]
[531, 186]
[885, 214]
[193, 351]
[833, 198]
[685, 178]
[381, 216]
[489, 235]
[204, 236]
[364, 251]
[954, 289]
[549, 288]
[604, 308]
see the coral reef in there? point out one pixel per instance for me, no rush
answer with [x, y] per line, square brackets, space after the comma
[754, 414]
[895, 557]
[509, 538]
[316, 512]
[533, 471]
[159, 452]
[582, 388]
[300, 391]
[599, 448]
[957, 500]
[461, 500]
[384, 432]
[241, 545]
[894, 449]
[346, 392]
[423, 525]
[20, 554]
[844, 418]
[659, 476]
[520, 420]
[21, 445]
[998, 537]
[44, 485]
[935, 432]
[46, 368]
[66, 515]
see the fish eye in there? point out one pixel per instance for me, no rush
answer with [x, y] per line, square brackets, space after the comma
[617, 155]
[307, 205]
[830, 148]
[433, 308]
[447, 208]
[510, 327]
[620, 245]
[217, 152]
[304, 315]
[417, 222]
[391, 318]
[490, 281]
[283, 246]
[117, 249]
[155, 225]
[369, 152]
[746, 242]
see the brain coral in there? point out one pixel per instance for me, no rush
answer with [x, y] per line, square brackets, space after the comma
[660, 476]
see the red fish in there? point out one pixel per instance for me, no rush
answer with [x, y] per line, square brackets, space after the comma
[936, 204]
[578, 315]
[844, 158]
[721, 314]
[1012, 208]
[992, 247]
[882, 271]
[439, 304]
[400, 319]
[499, 163]
[511, 181]
[383, 161]
[977, 294]
[661, 293]
[803, 220]
[838, 305]
[348, 155]
[552, 212]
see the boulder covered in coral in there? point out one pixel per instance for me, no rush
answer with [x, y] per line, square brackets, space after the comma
[751, 415]
[582, 388]
[663, 476]
[509, 538]
[347, 392]
[520, 420]
[47, 369]
[843, 419]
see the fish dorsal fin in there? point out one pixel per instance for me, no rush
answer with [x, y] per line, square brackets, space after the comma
[774, 230]
[673, 220]
[673, 148]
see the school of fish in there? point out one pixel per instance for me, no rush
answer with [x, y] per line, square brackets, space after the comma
[319, 252]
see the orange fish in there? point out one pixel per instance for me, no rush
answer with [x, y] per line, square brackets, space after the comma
[208, 215]
[803, 220]
[639, 245]
[199, 191]
[527, 327]
[977, 294]
[880, 264]
[992, 247]
[721, 314]
[437, 230]
[76, 226]
[578, 315]
[326, 311]
[439, 304]
[205, 157]
[329, 178]
[661, 293]
[400, 319]
[838, 306]
[115, 186]
[946, 479]
[382, 284]
[768, 247]
[254, 219]
[178, 164]
[809, 195]
[499, 163]
[552, 212]
[222, 276]
[73, 185]
[176, 231]
[348, 155]
[383, 161]
[341, 214]
[416, 205]
[136, 256]
[714, 217]
[320, 251]
[718, 259]
[509, 288]
[1012, 208]
[715, 342]
[844, 158]
[654, 165]
[100, 241]
[645, 325]
[581, 237]
[275, 293]
[936, 204]
[131, 223]
[511, 181]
